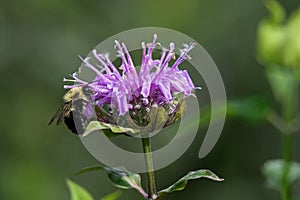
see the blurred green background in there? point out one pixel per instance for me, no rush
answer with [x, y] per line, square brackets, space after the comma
[39, 44]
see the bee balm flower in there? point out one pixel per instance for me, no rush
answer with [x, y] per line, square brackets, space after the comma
[137, 92]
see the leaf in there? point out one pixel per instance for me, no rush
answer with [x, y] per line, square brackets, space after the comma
[292, 48]
[181, 183]
[78, 192]
[277, 12]
[112, 196]
[274, 170]
[278, 39]
[96, 125]
[283, 83]
[90, 169]
[252, 109]
[124, 179]
[119, 177]
[271, 35]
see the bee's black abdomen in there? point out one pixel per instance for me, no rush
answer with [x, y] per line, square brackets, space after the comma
[69, 121]
[75, 122]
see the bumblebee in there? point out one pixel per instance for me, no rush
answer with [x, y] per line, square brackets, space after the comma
[77, 100]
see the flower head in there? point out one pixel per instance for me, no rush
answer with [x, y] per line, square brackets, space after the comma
[128, 90]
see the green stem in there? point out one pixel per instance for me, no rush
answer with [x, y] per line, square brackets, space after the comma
[290, 105]
[150, 170]
[287, 157]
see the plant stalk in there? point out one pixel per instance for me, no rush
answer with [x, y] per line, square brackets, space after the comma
[150, 170]
[287, 157]
[290, 106]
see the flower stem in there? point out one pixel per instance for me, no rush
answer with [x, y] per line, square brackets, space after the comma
[290, 105]
[287, 156]
[286, 192]
[150, 170]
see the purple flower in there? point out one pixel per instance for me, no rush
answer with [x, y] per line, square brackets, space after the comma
[156, 83]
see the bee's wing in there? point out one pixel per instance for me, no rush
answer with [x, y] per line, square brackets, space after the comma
[61, 113]
[65, 112]
[58, 112]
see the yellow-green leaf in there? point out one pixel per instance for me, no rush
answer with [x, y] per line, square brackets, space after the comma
[77, 192]
[112, 196]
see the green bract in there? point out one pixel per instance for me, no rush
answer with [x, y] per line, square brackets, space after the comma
[157, 118]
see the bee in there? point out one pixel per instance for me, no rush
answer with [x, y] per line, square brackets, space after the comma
[77, 100]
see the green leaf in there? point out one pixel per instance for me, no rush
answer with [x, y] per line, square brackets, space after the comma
[292, 48]
[119, 177]
[274, 170]
[124, 179]
[283, 83]
[112, 196]
[277, 12]
[78, 192]
[278, 39]
[271, 35]
[270, 40]
[96, 125]
[181, 183]
[90, 169]
[252, 109]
